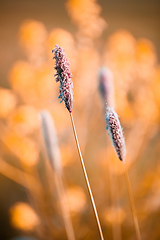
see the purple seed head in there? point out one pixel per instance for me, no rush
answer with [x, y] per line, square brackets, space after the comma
[116, 133]
[63, 76]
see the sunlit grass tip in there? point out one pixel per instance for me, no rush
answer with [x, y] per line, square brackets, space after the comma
[116, 134]
[63, 76]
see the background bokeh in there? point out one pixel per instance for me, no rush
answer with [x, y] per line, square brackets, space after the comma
[114, 40]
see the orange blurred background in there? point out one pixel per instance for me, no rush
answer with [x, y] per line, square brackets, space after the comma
[120, 36]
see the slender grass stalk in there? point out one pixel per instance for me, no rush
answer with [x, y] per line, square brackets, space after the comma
[113, 185]
[64, 207]
[86, 178]
[113, 197]
[106, 88]
[116, 134]
[53, 155]
[133, 208]
[63, 76]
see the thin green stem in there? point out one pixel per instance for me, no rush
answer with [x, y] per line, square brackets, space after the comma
[133, 208]
[86, 178]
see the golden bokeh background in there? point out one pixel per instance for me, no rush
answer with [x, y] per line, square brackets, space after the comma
[122, 37]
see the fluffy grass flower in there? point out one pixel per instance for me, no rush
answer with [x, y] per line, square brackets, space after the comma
[116, 133]
[63, 76]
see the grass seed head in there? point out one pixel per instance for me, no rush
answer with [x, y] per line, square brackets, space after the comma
[63, 76]
[116, 133]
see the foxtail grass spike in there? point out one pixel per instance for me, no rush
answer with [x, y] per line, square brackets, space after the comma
[50, 140]
[63, 76]
[116, 133]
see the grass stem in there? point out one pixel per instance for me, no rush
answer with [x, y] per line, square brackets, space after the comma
[86, 178]
[53, 157]
[131, 199]
[64, 207]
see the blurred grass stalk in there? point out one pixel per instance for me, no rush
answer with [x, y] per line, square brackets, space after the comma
[17, 175]
[116, 134]
[53, 155]
[114, 195]
[22, 177]
[133, 208]
[28, 177]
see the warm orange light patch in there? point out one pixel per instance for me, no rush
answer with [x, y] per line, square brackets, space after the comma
[85, 14]
[76, 199]
[156, 86]
[109, 160]
[64, 39]
[86, 77]
[24, 148]
[114, 215]
[80, 10]
[124, 109]
[59, 113]
[7, 102]
[147, 107]
[67, 155]
[35, 86]
[32, 34]
[23, 217]
[145, 51]
[44, 85]
[146, 59]
[122, 42]
[24, 120]
[22, 79]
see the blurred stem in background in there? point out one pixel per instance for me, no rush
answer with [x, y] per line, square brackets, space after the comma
[133, 208]
[53, 155]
